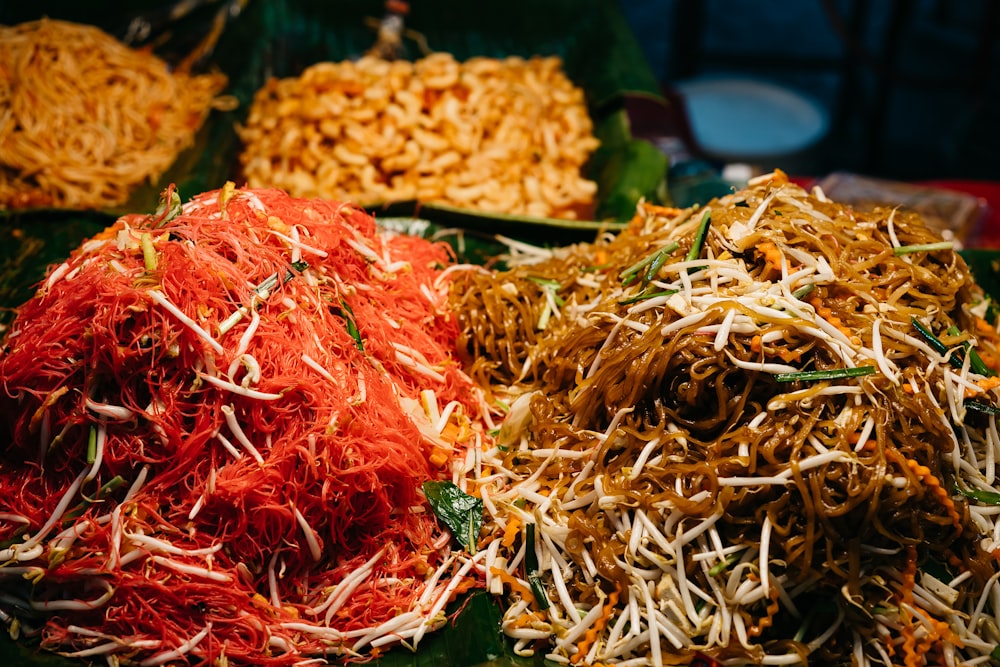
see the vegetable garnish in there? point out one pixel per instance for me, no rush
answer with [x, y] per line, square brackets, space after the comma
[643, 296]
[975, 361]
[979, 406]
[923, 247]
[988, 497]
[804, 291]
[828, 374]
[462, 513]
[531, 568]
[261, 293]
[180, 496]
[629, 274]
[351, 324]
[700, 236]
[657, 457]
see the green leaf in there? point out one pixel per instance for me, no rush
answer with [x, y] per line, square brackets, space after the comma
[462, 513]
[625, 173]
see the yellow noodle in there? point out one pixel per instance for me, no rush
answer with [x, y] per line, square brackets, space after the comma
[84, 119]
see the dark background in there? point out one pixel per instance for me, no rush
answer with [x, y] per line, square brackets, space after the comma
[911, 87]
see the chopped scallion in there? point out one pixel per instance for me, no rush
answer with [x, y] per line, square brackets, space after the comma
[830, 374]
[92, 445]
[804, 290]
[922, 247]
[352, 326]
[700, 236]
[632, 272]
[531, 567]
[976, 362]
[988, 497]
[985, 408]
[545, 282]
[931, 339]
[646, 295]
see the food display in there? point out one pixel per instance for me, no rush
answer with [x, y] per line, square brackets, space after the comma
[263, 426]
[761, 431]
[217, 422]
[504, 135]
[84, 119]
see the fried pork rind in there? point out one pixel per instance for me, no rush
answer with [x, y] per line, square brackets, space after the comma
[508, 136]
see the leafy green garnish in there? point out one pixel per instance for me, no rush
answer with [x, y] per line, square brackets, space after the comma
[462, 513]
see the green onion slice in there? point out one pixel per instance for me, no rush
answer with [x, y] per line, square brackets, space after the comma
[987, 497]
[922, 247]
[700, 236]
[830, 374]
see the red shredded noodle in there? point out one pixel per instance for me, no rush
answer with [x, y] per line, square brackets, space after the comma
[343, 444]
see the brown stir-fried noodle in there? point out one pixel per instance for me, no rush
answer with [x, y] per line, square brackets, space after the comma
[684, 492]
[84, 119]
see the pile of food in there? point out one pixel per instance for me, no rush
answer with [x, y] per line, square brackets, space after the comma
[216, 424]
[503, 135]
[85, 120]
[763, 430]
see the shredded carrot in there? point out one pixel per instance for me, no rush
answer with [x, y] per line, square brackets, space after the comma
[934, 485]
[789, 355]
[591, 635]
[827, 314]
[990, 359]
[527, 619]
[772, 256]
[512, 530]
[989, 383]
[515, 585]
[767, 620]
[910, 656]
[655, 209]
[755, 344]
